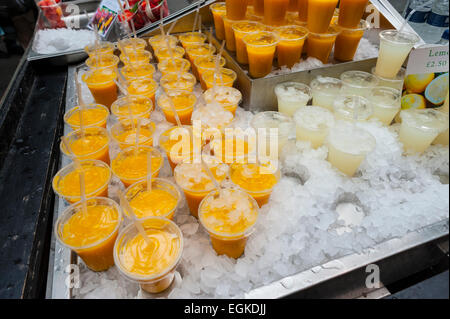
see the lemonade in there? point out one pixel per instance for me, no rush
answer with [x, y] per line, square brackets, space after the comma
[358, 83]
[313, 124]
[386, 103]
[324, 91]
[292, 96]
[352, 108]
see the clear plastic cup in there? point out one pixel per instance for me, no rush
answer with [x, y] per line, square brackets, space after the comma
[293, 6]
[163, 53]
[161, 201]
[228, 97]
[241, 29]
[191, 38]
[140, 106]
[219, 11]
[124, 133]
[101, 85]
[322, 11]
[325, 90]
[395, 83]
[419, 128]
[229, 34]
[143, 87]
[290, 47]
[234, 148]
[91, 234]
[199, 50]
[93, 115]
[145, 71]
[394, 48]
[313, 124]
[226, 77]
[66, 182]
[348, 40]
[136, 60]
[303, 11]
[178, 82]
[348, 147]
[91, 143]
[386, 103]
[358, 83]
[183, 102]
[160, 41]
[258, 7]
[350, 12]
[130, 165]
[172, 137]
[352, 108]
[104, 47]
[129, 45]
[261, 48]
[107, 61]
[174, 66]
[292, 96]
[213, 116]
[228, 236]
[236, 9]
[207, 63]
[320, 44]
[153, 269]
[275, 12]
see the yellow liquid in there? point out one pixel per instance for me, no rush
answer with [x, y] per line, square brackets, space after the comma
[88, 145]
[90, 117]
[134, 166]
[136, 109]
[157, 202]
[95, 177]
[250, 178]
[129, 137]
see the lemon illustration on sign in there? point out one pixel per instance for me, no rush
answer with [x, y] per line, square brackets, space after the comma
[411, 101]
[417, 83]
[437, 90]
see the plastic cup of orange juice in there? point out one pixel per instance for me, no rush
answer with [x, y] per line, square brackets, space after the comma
[161, 201]
[91, 233]
[228, 235]
[152, 268]
[183, 102]
[207, 63]
[191, 38]
[321, 44]
[174, 66]
[226, 77]
[97, 175]
[241, 29]
[303, 10]
[102, 86]
[163, 53]
[257, 180]
[131, 73]
[261, 48]
[91, 143]
[350, 12]
[236, 9]
[140, 106]
[213, 116]
[293, 6]
[104, 47]
[160, 41]
[100, 61]
[258, 7]
[136, 60]
[178, 82]
[228, 97]
[195, 181]
[233, 149]
[124, 133]
[92, 114]
[219, 11]
[130, 165]
[347, 41]
[290, 47]
[275, 12]
[143, 86]
[172, 137]
[199, 50]
[131, 45]
[320, 13]
[229, 34]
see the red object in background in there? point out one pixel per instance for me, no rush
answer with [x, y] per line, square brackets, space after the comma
[53, 12]
[139, 12]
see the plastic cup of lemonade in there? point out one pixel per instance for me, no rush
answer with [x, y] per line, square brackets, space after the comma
[91, 143]
[160, 41]
[92, 114]
[100, 61]
[226, 77]
[292, 96]
[192, 38]
[347, 41]
[228, 227]
[394, 48]
[104, 47]
[325, 90]
[140, 107]
[207, 63]
[236, 9]
[124, 133]
[143, 87]
[320, 44]
[183, 102]
[129, 45]
[261, 48]
[313, 124]
[97, 175]
[320, 13]
[219, 11]
[358, 83]
[195, 182]
[174, 66]
[161, 201]
[130, 165]
[348, 147]
[178, 82]
[350, 12]
[386, 103]
[102, 86]
[172, 143]
[164, 53]
[420, 127]
[352, 108]
[144, 71]
[395, 83]
[226, 96]
[275, 12]
[91, 233]
[241, 29]
[152, 267]
[290, 47]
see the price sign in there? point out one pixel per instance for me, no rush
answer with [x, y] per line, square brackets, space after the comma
[428, 60]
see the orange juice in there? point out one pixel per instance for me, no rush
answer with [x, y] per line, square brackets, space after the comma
[199, 50]
[102, 61]
[178, 82]
[144, 87]
[97, 175]
[130, 165]
[229, 34]
[351, 12]
[226, 77]
[303, 10]
[91, 143]
[219, 11]
[190, 38]
[226, 96]
[144, 71]
[132, 106]
[234, 149]
[321, 44]
[207, 63]
[290, 47]
[261, 48]
[164, 53]
[241, 29]
[320, 13]
[160, 41]
[178, 144]
[131, 44]
[256, 180]
[136, 60]
[91, 233]
[103, 47]
[102, 86]
[258, 6]
[124, 133]
[162, 200]
[229, 216]
[174, 66]
[184, 105]
[92, 114]
[293, 6]
[347, 41]
[153, 267]
[236, 9]
[275, 12]
[195, 182]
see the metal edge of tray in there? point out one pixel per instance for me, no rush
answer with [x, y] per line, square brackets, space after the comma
[309, 278]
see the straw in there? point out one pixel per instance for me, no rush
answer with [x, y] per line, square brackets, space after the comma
[138, 131]
[200, 24]
[171, 27]
[405, 22]
[174, 110]
[149, 171]
[80, 104]
[210, 174]
[195, 19]
[139, 227]
[121, 88]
